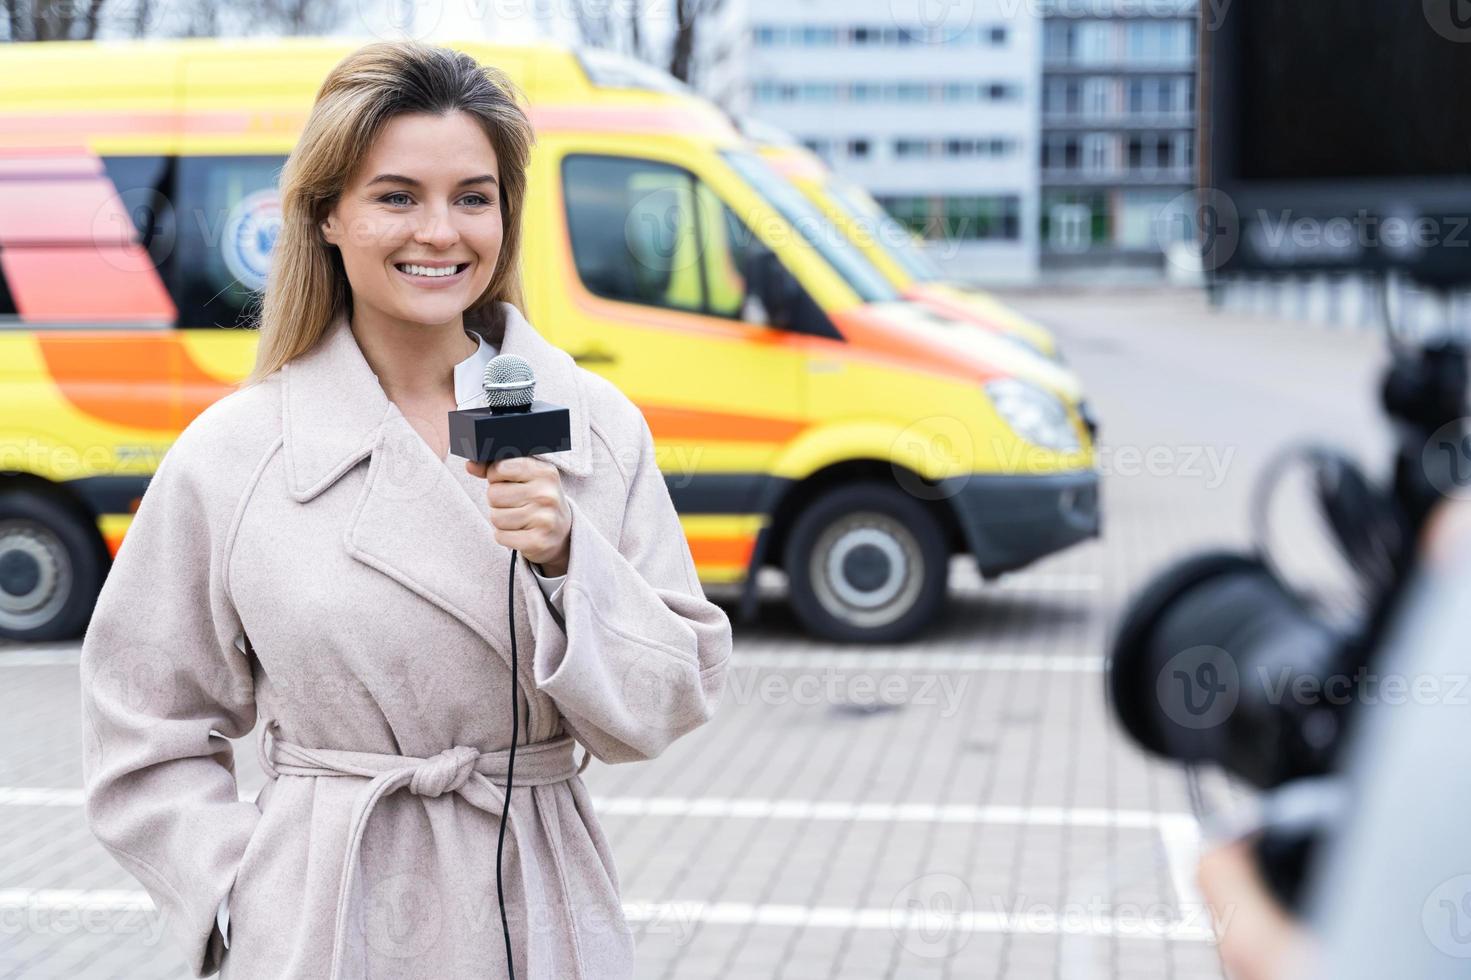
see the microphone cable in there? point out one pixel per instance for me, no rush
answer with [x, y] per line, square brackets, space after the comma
[510, 765]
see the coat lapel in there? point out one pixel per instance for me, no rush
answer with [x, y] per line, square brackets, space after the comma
[413, 520]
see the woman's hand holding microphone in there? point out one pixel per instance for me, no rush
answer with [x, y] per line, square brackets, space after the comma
[528, 509]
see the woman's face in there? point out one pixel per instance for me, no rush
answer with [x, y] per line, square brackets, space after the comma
[424, 200]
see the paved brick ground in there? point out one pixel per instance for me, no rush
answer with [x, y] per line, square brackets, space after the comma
[995, 783]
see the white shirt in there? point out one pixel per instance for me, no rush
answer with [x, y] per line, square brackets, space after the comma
[469, 389]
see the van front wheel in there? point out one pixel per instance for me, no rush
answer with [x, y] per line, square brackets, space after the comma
[866, 564]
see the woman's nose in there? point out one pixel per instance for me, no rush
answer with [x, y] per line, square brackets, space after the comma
[437, 229]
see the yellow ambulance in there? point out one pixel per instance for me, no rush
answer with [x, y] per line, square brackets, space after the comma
[888, 244]
[808, 417]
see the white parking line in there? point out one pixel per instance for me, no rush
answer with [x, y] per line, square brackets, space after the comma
[1180, 827]
[1050, 582]
[1182, 841]
[738, 808]
[1179, 833]
[928, 923]
[902, 660]
[35, 796]
[65, 655]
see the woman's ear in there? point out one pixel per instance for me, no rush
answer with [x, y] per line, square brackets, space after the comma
[328, 230]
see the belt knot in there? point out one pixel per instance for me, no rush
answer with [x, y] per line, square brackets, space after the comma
[444, 772]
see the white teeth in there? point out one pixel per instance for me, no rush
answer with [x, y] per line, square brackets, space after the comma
[424, 270]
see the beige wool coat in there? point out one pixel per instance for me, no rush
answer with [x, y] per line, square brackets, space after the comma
[303, 565]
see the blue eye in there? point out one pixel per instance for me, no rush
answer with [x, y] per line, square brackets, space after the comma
[482, 199]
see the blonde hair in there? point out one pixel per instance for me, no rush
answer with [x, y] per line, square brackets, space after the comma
[307, 287]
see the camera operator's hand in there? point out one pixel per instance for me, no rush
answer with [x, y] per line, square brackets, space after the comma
[1258, 939]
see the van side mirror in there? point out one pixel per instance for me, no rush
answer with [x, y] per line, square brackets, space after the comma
[770, 284]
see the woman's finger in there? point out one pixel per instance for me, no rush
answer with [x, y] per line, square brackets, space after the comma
[513, 518]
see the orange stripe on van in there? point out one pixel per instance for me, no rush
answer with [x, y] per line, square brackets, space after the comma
[868, 337]
[686, 423]
[144, 381]
[721, 551]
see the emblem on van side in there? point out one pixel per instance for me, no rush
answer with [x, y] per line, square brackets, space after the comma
[250, 235]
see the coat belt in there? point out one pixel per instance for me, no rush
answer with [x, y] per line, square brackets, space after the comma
[477, 776]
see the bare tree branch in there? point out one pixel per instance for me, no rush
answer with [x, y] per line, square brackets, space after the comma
[593, 26]
[13, 18]
[635, 14]
[94, 13]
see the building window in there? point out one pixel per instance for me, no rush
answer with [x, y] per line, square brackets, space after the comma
[1095, 43]
[1184, 151]
[822, 147]
[982, 218]
[997, 36]
[1151, 152]
[954, 147]
[1096, 153]
[1062, 97]
[1060, 42]
[995, 217]
[1159, 42]
[906, 91]
[1098, 96]
[1061, 153]
[1074, 221]
[911, 212]
[858, 149]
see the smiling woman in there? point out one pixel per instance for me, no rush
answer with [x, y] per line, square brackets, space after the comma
[303, 566]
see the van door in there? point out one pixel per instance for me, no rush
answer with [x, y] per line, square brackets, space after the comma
[656, 298]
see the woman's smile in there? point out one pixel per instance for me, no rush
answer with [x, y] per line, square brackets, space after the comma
[432, 276]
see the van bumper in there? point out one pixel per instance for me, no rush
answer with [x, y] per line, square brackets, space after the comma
[1011, 521]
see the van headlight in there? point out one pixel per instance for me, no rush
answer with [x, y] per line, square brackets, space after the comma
[1034, 414]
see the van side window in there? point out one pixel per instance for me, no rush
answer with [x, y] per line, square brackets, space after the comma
[728, 246]
[228, 211]
[651, 233]
[144, 185]
[632, 229]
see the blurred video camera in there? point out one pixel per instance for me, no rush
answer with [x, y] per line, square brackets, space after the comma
[1331, 143]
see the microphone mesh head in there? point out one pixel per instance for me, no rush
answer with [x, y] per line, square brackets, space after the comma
[509, 382]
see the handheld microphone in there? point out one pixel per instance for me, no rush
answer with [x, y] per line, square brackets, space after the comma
[512, 424]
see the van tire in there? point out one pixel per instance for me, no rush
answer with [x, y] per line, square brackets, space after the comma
[866, 563]
[51, 568]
